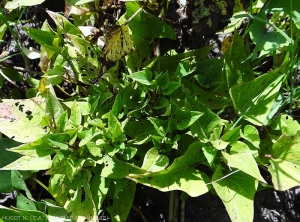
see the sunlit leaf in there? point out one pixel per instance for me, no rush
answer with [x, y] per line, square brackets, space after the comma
[180, 175]
[253, 100]
[20, 119]
[237, 193]
[18, 3]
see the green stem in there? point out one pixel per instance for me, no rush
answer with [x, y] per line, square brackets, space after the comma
[136, 209]
[41, 184]
[182, 211]
[171, 206]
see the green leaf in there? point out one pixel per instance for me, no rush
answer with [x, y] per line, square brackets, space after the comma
[41, 147]
[131, 97]
[75, 117]
[286, 124]
[73, 166]
[139, 131]
[20, 119]
[289, 8]
[162, 103]
[232, 136]
[172, 86]
[251, 134]
[181, 175]
[99, 187]
[18, 3]
[61, 146]
[118, 169]
[204, 126]
[215, 140]
[154, 162]
[88, 135]
[145, 27]
[44, 38]
[55, 75]
[162, 80]
[118, 105]
[63, 25]
[184, 119]
[119, 210]
[207, 98]
[84, 107]
[144, 77]
[129, 153]
[53, 107]
[210, 74]
[170, 62]
[285, 162]
[161, 126]
[115, 128]
[242, 159]
[6, 157]
[30, 163]
[237, 67]
[22, 215]
[253, 100]
[184, 69]
[237, 193]
[24, 203]
[55, 213]
[61, 122]
[86, 208]
[209, 152]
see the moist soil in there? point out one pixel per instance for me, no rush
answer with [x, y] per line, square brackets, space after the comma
[269, 205]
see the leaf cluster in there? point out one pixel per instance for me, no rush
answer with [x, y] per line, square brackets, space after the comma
[178, 121]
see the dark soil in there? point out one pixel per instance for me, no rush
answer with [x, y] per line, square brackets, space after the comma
[269, 206]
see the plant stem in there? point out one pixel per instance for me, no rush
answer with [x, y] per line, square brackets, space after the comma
[182, 211]
[136, 209]
[41, 184]
[171, 206]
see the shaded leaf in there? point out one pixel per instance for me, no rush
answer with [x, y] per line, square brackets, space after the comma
[285, 162]
[119, 210]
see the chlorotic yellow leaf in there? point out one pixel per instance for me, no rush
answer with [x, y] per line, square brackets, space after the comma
[226, 43]
[119, 43]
